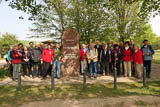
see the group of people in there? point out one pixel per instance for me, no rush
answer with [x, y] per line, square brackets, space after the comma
[127, 58]
[36, 60]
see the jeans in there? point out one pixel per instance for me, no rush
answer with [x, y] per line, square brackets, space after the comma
[35, 69]
[147, 64]
[57, 70]
[93, 65]
[16, 70]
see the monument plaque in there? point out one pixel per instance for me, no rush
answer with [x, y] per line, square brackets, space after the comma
[70, 51]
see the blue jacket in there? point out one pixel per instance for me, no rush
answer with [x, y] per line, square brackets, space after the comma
[9, 56]
[149, 50]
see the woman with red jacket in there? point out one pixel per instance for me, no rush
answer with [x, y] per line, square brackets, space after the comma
[127, 58]
[46, 60]
[16, 61]
[138, 62]
[83, 56]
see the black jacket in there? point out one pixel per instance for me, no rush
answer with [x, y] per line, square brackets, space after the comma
[36, 54]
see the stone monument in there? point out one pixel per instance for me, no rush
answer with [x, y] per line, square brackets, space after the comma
[71, 54]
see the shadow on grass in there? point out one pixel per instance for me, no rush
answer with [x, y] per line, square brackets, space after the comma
[10, 96]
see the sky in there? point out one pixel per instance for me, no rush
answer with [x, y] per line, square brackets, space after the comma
[10, 22]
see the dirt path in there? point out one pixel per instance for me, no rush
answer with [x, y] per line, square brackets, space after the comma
[155, 76]
[128, 101]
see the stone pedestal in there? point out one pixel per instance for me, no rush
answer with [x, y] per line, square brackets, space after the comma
[71, 54]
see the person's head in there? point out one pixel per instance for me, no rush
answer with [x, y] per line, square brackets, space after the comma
[11, 48]
[49, 46]
[20, 45]
[16, 47]
[42, 45]
[132, 41]
[116, 46]
[37, 45]
[145, 42]
[121, 43]
[105, 47]
[57, 45]
[127, 44]
[97, 42]
[83, 46]
[136, 47]
[25, 48]
[31, 44]
[91, 46]
[103, 43]
[112, 42]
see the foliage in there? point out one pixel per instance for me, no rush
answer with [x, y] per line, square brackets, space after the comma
[9, 95]
[4, 73]
[6, 41]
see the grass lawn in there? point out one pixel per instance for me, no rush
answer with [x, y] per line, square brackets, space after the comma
[156, 58]
[10, 97]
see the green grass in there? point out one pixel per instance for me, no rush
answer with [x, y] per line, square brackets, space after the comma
[4, 73]
[140, 103]
[9, 96]
[156, 58]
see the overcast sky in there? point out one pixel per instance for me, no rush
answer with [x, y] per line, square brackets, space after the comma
[10, 22]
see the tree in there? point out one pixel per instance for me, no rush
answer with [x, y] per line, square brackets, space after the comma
[6, 41]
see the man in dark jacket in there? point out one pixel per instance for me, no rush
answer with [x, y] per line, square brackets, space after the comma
[31, 44]
[105, 58]
[148, 52]
[98, 47]
[36, 58]
[116, 58]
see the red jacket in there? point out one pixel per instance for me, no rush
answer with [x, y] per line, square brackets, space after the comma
[47, 55]
[127, 55]
[138, 57]
[16, 58]
[82, 54]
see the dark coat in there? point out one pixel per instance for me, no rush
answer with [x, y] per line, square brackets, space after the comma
[24, 57]
[36, 55]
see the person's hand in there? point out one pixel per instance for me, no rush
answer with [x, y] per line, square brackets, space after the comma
[41, 62]
[147, 54]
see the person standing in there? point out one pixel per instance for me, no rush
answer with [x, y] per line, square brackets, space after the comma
[116, 58]
[16, 61]
[132, 64]
[83, 57]
[99, 48]
[31, 46]
[92, 60]
[46, 60]
[138, 61]
[36, 58]
[9, 59]
[26, 57]
[57, 61]
[105, 59]
[148, 52]
[121, 47]
[127, 58]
